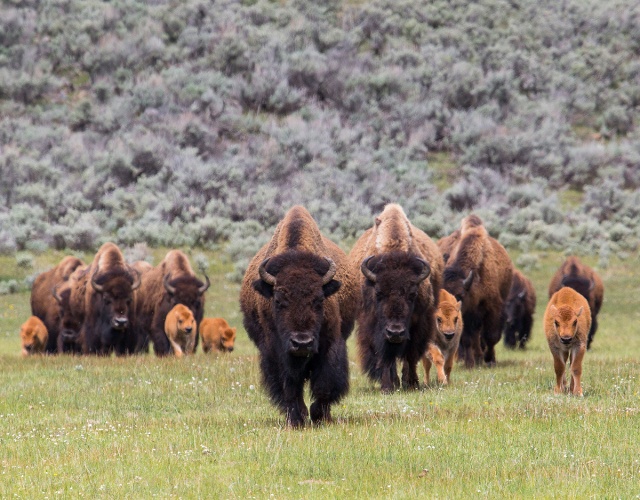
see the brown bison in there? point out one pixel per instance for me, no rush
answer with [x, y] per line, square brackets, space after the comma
[43, 303]
[518, 311]
[106, 290]
[479, 273]
[299, 300]
[567, 321]
[586, 282]
[70, 320]
[170, 283]
[442, 349]
[217, 335]
[181, 329]
[33, 336]
[400, 282]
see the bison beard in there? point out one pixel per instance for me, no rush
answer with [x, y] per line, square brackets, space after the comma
[299, 335]
[388, 329]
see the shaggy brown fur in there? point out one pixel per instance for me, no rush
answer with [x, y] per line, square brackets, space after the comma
[567, 321]
[518, 311]
[217, 335]
[299, 314]
[479, 273]
[169, 283]
[446, 244]
[108, 287]
[443, 348]
[70, 322]
[33, 336]
[584, 280]
[43, 303]
[181, 329]
[396, 320]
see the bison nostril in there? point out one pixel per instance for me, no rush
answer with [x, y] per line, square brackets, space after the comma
[188, 329]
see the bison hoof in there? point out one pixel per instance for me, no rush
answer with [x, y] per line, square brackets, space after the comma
[320, 412]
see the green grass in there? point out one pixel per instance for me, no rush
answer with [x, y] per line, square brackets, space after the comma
[143, 427]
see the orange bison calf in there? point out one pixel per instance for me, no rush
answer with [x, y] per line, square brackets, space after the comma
[33, 335]
[442, 350]
[180, 328]
[217, 335]
[567, 321]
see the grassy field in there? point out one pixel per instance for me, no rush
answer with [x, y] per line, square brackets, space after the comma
[141, 427]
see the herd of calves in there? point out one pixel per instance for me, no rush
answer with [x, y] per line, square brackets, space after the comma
[414, 299]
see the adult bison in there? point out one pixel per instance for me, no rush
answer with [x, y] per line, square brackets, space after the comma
[43, 303]
[70, 319]
[400, 281]
[479, 273]
[518, 311]
[107, 289]
[584, 280]
[170, 283]
[299, 300]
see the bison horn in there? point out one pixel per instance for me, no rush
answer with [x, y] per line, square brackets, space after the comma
[270, 279]
[426, 270]
[328, 276]
[592, 285]
[167, 286]
[206, 285]
[468, 280]
[96, 287]
[564, 280]
[55, 293]
[522, 294]
[368, 273]
[137, 281]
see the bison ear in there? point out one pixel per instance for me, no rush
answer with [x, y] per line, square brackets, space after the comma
[263, 288]
[553, 310]
[378, 221]
[458, 305]
[330, 288]
[579, 311]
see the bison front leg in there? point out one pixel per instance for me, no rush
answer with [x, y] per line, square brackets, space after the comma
[426, 364]
[329, 380]
[559, 365]
[410, 374]
[438, 359]
[448, 365]
[576, 371]
[390, 381]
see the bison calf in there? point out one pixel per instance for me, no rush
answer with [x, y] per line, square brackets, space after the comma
[180, 328]
[217, 335]
[518, 311]
[567, 321]
[33, 336]
[442, 350]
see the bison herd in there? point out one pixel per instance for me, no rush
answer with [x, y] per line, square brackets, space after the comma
[413, 299]
[111, 306]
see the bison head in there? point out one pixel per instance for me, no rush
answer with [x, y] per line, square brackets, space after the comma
[392, 282]
[458, 282]
[297, 283]
[116, 292]
[565, 322]
[188, 291]
[227, 339]
[580, 284]
[68, 324]
[449, 319]
[33, 336]
[514, 306]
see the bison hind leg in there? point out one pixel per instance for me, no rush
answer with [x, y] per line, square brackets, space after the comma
[592, 332]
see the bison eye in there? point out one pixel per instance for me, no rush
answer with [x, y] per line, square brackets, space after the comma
[455, 320]
[556, 324]
[575, 323]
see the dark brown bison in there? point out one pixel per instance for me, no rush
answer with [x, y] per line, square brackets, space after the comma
[518, 311]
[108, 285]
[70, 320]
[400, 281]
[170, 283]
[299, 300]
[43, 303]
[584, 280]
[479, 273]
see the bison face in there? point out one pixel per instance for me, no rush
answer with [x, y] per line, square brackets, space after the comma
[188, 291]
[514, 307]
[116, 297]
[297, 283]
[458, 282]
[227, 340]
[565, 322]
[393, 280]
[449, 320]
